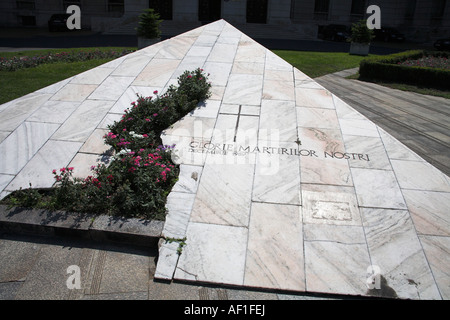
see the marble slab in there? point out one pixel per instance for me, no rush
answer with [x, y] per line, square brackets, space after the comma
[244, 89]
[274, 258]
[395, 248]
[83, 121]
[22, 144]
[213, 253]
[38, 171]
[224, 195]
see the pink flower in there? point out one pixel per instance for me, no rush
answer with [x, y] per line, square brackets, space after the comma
[155, 114]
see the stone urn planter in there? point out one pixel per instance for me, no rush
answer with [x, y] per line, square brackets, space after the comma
[145, 42]
[360, 49]
[148, 30]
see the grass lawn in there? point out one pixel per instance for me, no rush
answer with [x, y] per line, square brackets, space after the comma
[14, 84]
[316, 64]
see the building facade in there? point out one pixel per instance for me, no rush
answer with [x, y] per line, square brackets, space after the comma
[420, 20]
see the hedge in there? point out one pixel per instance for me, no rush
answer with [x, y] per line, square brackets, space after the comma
[386, 68]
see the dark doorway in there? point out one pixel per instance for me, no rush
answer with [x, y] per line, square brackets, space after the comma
[209, 10]
[163, 7]
[257, 11]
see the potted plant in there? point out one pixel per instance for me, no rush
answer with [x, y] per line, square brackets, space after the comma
[148, 30]
[360, 38]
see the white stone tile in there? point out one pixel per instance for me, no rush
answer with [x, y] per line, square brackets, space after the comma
[248, 67]
[205, 40]
[157, 73]
[277, 177]
[53, 88]
[83, 121]
[38, 171]
[112, 88]
[313, 98]
[179, 206]
[327, 204]
[274, 62]
[420, 175]
[321, 170]
[429, 211]
[198, 51]
[93, 76]
[5, 179]
[396, 149]
[223, 53]
[366, 152]
[189, 63]
[96, 143]
[224, 194]
[438, 256]
[317, 118]
[275, 259]
[278, 116]
[54, 111]
[82, 163]
[346, 234]
[20, 109]
[74, 92]
[395, 248]
[109, 119]
[213, 253]
[335, 267]
[278, 90]
[22, 144]
[132, 66]
[244, 89]
[188, 179]
[207, 109]
[364, 128]
[175, 49]
[250, 52]
[4, 135]
[218, 72]
[192, 126]
[377, 188]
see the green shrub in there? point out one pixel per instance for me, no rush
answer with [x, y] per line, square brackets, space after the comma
[389, 68]
[360, 32]
[148, 26]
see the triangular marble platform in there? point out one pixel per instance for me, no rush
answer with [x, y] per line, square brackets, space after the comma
[282, 186]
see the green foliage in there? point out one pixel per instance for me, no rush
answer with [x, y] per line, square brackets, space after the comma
[390, 68]
[360, 32]
[141, 173]
[149, 24]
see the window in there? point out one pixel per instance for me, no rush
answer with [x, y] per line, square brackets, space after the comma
[437, 9]
[163, 7]
[410, 9]
[116, 6]
[26, 5]
[321, 8]
[358, 7]
[67, 3]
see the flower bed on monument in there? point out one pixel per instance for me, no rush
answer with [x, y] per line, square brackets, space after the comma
[141, 173]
